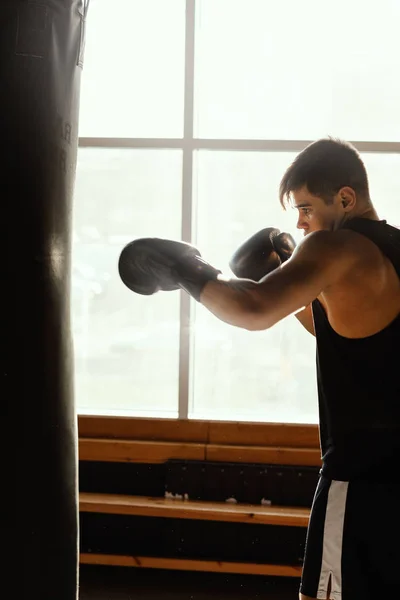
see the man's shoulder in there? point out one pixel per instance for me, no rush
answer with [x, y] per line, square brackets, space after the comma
[341, 254]
[335, 245]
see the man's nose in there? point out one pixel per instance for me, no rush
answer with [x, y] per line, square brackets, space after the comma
[301, 223]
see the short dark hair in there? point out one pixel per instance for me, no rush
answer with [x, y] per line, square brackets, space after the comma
[324, 167]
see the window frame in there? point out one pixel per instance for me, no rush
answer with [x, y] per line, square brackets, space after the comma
[183, 428]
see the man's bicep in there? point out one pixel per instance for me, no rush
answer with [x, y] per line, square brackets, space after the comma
[286, 291]
[305, 317]
[294, 286]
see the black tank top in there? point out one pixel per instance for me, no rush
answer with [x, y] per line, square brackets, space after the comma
[359, 386]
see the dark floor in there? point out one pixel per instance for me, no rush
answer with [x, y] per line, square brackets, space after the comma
[116, 583]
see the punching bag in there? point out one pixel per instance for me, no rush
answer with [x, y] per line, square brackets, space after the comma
[41, 53]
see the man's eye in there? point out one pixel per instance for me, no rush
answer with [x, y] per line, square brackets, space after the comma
[306, 211]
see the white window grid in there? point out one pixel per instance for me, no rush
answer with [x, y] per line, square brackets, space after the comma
[189, 144]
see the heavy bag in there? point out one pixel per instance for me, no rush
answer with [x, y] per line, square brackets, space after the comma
[41, 52]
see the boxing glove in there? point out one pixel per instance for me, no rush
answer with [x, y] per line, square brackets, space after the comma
[148, 265]
[262, 253]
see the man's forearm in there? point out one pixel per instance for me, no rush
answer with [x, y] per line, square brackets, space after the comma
[257, 306]
[232, 301]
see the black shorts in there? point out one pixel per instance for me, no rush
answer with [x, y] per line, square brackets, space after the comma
[353, 539]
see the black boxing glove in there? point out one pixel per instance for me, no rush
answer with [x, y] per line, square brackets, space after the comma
[262, 253]
[148, 265]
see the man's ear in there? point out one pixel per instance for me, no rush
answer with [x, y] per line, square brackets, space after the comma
[348, 198]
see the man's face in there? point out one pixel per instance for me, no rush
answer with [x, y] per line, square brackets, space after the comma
[314, 214]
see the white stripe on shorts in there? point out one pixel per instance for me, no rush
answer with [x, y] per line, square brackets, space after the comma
[333, 541]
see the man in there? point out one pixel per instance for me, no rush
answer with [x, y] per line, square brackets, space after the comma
[343, 283]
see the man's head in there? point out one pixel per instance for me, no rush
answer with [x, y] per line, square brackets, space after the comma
[328, 184]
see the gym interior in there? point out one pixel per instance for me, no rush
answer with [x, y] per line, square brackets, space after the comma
[182, 453]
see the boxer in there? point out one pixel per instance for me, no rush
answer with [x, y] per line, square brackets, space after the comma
[342, 282]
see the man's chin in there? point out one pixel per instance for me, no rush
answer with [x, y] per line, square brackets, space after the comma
[317, 229]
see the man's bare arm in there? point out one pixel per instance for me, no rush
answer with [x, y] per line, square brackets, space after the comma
[319, 261]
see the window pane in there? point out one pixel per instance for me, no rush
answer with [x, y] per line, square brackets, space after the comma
[268, 375]
[132, 82]
[298, 70]
[384, 184]
[237, 374]
[126, 345]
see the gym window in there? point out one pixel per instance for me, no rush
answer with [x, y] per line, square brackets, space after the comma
[190, 112]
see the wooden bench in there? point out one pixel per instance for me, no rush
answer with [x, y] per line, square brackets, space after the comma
[189, 509]
[153, 452]
[155, 441]
[180, 564]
